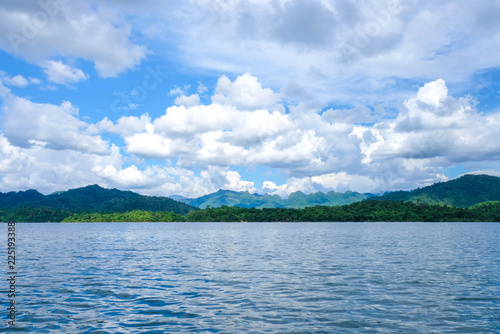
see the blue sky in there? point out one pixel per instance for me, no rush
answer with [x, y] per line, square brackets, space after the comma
[269, 96]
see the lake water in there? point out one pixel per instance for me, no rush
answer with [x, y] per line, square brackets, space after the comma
[256, 278]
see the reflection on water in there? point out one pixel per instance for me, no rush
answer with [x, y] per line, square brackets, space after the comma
[228, 278]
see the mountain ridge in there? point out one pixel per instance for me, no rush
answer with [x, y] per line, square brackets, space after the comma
[92, 198]
[465, 191]
[296, 200]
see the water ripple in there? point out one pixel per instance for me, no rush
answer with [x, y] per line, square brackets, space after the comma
[258, 278]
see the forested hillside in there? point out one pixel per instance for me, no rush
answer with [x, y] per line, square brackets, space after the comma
[296, 200]
[468, 198]
[463, 192]
[91, 199]
[365, 211]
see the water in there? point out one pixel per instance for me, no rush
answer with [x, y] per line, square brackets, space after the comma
[257, 278]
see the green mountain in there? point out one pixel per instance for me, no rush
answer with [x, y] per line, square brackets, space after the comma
[233, 198]
[91, 199]
[479, 193]
[299, 200]
[465, 191]
[296, 200]
[12, 199]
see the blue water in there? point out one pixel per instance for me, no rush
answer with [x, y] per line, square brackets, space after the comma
[257, 278]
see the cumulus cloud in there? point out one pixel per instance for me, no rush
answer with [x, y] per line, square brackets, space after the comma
[434, 125]
[343, 181]
[17, 81]
[156, 180]
[201, 88]
[188, 122]
[48, 170]
[329, 150]
[125, 126]
[293, 184]
[188, 101]
[338, 50]
[245, 93]
[153, 146]
[235, 183]
[314, 150]
[26, 124]
[38, 31]
[226, 134]
[176, 91]
[60, 73]
[130, 177]
[357, 56]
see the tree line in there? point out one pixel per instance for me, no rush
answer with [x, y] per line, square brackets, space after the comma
[364, 211]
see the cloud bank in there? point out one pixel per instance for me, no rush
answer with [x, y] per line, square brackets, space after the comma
[195, 149]
[291, 94]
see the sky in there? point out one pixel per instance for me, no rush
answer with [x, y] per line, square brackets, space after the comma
[185, 97]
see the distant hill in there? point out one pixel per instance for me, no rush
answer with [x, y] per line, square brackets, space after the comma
[296, 200]
[92, 199]
[12, 199]
[465, 191]
[299, 200]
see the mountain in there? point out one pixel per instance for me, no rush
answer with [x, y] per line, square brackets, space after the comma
[233, 198]
[295, 200]
[92, 199]
[12, 199]
[300, 200]
[465, 191]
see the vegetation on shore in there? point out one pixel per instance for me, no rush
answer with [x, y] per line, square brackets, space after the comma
[365, 211]
[466, 191]
[91, 199]
[368, 210]
[468, 198]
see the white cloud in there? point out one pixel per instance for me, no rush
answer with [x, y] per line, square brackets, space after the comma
[26, 124]
[314, 150]
[17, 81]
[293, 184]
[126, 126]
[235, 183]
[432, 131]
[201, 88]
[187, 122]
[188, 101]
[130, 177]
[48, 170]
[38, 31]
[343, 182]
[433, 93]
[61, 73]
[35, 81]
[436, 126]
[176, 91]
[245, 93]
[358, 114]
[337, 50]
[150, 145]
